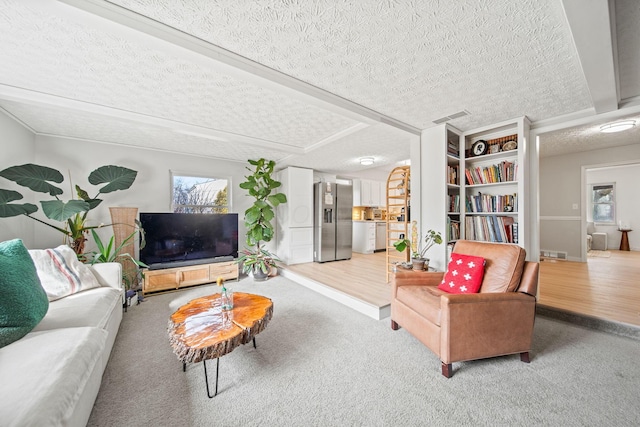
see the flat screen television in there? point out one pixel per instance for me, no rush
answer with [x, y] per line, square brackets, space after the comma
[179, 239]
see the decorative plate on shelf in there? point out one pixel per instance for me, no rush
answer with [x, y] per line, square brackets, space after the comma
[509, 145]
[479, 147]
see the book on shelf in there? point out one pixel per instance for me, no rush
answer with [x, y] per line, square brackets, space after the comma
[503, 172]
[452, 148]
[453, 229]
[490, 203]
[501, 229]
[454, 203]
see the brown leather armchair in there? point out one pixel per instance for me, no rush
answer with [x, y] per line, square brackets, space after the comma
[458, 327]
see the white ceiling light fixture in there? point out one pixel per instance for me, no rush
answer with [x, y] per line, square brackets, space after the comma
[618, 126]
[366, 161]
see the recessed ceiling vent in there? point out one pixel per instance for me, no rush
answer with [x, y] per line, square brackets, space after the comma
[451, 117]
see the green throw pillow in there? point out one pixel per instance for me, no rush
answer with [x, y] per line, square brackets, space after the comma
[23, 302]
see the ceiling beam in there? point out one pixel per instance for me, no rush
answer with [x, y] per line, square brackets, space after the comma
[592, 24]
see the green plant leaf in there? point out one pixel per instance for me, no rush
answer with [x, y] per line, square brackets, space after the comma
[257, 234]
[401, 245]
[246, 185]
[267, 234]
[98, 241]
[252, 214]
[274, 184]
[35, 177]
[116, 177]
[276, 199]
[82, 194]
[61, 211]
[93, 203]
[267, 213]
[8, 210]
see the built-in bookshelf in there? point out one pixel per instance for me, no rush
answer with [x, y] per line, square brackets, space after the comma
[493, 187]
[473, 191]
[454, 179]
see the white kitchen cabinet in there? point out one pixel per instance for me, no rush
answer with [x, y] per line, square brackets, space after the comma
[367, 192]
[365, 186]
[364, 237]
[294, 219]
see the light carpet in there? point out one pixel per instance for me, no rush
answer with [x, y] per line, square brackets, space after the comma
[598, 254]
[319, 363]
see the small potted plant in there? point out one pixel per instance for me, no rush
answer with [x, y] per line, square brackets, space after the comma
[110, 253]
[418, 253]
[259, 263]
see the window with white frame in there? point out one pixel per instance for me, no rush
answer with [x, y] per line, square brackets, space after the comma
[198, 194]
[603, 203]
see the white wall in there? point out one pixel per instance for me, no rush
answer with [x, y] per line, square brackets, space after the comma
[560, 188]
[17, 147]
[151, 190]
[627, 196]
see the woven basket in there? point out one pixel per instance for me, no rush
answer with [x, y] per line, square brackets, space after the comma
[123, 220]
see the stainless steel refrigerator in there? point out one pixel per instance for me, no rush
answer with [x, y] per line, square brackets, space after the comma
[332, 224]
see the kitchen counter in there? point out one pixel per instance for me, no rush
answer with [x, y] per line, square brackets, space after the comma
[370, 220]
[369, 236]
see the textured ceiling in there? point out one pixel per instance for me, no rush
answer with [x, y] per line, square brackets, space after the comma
[588, 137]
[415, 61]
[68, 72]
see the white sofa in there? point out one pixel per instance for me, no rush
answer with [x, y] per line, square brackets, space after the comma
[51, 376]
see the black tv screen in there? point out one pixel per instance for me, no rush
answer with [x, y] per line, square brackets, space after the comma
[184, 238]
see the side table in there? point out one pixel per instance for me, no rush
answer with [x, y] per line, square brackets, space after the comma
[624, 240]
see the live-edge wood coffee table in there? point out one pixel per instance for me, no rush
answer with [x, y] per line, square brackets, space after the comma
[201, 329]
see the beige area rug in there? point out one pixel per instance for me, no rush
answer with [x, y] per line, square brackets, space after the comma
[598, 254]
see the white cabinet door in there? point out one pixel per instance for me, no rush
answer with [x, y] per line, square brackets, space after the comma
[369, 193]
[300, 245]
[371, 237]
[357, 192]
[300, 197]
[375, 193]
[365, 188]
[364, 237]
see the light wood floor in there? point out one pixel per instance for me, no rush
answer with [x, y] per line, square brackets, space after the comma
[363, 276]
[605, 288]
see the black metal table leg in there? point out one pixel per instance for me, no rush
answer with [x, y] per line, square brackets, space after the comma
[206, 378]
[254, 342]
[184, 366]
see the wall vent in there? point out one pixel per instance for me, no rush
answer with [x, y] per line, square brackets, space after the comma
[553, 254]
[451, 117]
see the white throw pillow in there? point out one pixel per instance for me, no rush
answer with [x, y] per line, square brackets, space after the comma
[60, 272]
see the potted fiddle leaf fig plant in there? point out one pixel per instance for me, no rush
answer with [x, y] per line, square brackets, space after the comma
[72, 213]
[257, 219]
[419, 252]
